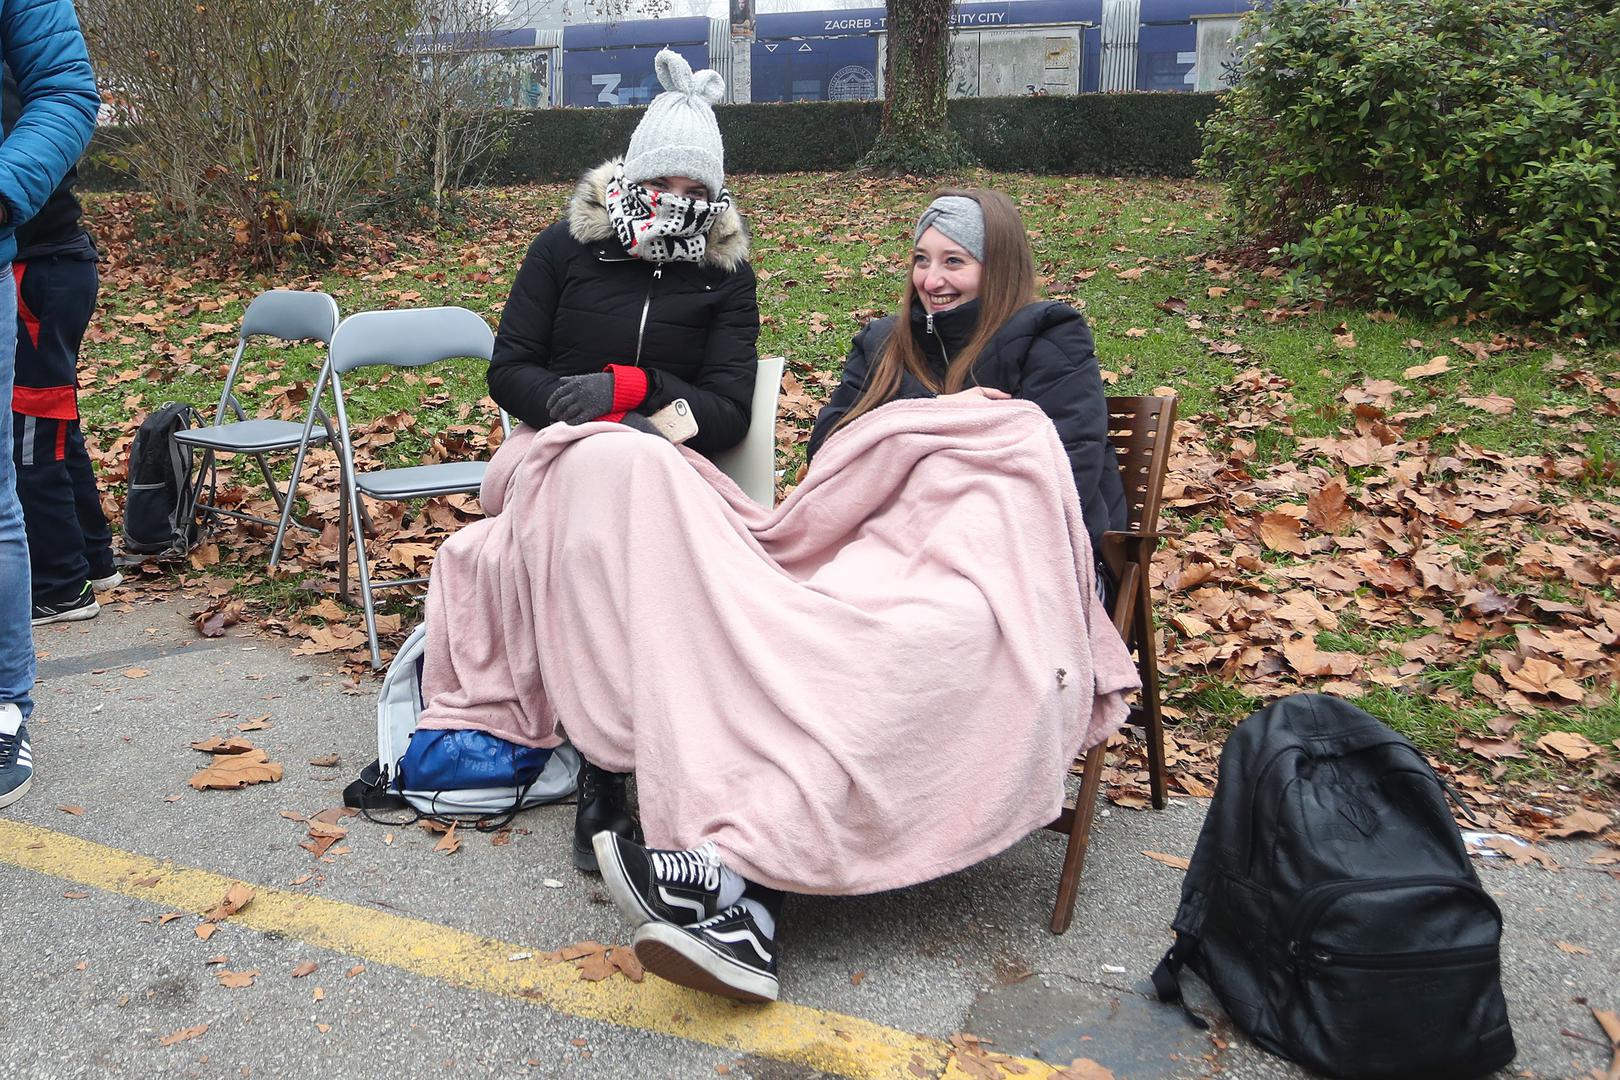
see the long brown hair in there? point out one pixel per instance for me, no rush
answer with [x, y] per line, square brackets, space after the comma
[1006, 284]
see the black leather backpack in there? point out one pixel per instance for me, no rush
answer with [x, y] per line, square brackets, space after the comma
[162, 476]
[1331, 906]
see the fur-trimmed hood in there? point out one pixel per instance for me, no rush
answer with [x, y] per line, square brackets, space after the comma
[588, 221]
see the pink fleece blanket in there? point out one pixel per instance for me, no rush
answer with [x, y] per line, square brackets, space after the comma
[880, 681]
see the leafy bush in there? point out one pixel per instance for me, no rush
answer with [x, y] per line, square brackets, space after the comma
[1444, 153]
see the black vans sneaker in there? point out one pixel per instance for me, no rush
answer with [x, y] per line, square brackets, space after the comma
[727, 955]
[81, 607]
[679, 887]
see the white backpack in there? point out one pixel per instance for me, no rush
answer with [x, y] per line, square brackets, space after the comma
[399, 707]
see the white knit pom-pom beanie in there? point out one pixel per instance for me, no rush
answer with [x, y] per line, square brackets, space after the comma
[679, 135]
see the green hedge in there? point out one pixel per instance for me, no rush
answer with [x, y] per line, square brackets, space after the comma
[1090, 134]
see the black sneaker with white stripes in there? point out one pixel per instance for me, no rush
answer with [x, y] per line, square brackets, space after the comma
[82, 606]
[649, 885]
[727, 955]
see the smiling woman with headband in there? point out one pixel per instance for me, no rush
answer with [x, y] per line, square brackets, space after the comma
[972, 327]
[970, 322]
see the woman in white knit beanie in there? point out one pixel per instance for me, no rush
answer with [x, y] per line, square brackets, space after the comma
[641, 295]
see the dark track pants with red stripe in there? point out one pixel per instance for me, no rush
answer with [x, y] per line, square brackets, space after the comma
[68, 538]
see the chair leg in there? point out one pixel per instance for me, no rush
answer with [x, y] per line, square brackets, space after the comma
[343, 544]
[365, 583]
[269, 480]
[1074, 855]
[196, 491]
[287, 506]
[1147, 653]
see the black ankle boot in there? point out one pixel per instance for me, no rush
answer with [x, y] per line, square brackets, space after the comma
[600, 806]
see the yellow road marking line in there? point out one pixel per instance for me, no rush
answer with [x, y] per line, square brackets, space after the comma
[829, 1041]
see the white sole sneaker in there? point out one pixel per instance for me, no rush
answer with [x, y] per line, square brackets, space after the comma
[16, 793]
[676, 956]
[617, 882]
[78, 614]
[111, 581]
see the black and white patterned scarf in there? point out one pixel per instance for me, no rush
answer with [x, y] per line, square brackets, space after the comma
[658, 226]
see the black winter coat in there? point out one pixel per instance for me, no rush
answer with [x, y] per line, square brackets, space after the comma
[580, 302]
[1043, 354]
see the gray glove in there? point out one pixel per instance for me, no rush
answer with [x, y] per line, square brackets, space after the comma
[641, 423]
[579, 399]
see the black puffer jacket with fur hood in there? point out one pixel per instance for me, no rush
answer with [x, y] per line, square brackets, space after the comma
[580, 302]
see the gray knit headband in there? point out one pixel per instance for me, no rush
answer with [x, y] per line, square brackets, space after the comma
[958, 217]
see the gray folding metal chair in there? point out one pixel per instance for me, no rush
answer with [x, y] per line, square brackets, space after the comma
[290, 315]
[406, 338]
[752, 462]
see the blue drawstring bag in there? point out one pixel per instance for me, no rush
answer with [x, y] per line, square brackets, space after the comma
[455, 759]
[460, 773]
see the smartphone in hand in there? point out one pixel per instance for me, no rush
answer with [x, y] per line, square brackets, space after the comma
[675, 421]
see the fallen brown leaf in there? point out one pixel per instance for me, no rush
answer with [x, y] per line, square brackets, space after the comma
[74, 810]
[1573, 950]
[182, 1035]
[1569, 745]
[236, 980]
[1436, 366]
[237, 897]
[1328, 508]
[1491, 403]
[1178, 861]
[308, 967]
[231, 771]
[1543, 677]
[1280, 532]
[1580, 823]
[216, 745]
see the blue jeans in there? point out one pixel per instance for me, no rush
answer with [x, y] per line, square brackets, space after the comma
[16, 605]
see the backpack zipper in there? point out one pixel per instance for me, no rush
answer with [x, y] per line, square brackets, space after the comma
[1319, 897]
[1453, 957]
[646, 305]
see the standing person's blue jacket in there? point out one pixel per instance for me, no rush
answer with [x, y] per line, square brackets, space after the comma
[41, 43]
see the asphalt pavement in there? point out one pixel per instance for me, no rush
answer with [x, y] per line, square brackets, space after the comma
[432, 964]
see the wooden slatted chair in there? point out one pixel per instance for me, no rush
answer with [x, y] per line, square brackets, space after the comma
[1141, 429]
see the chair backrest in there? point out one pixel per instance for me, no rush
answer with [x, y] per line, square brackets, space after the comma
[292, 315]
[407, 337]
[1140, 429]
[288, 314]
[752, 462]
[410, 337]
